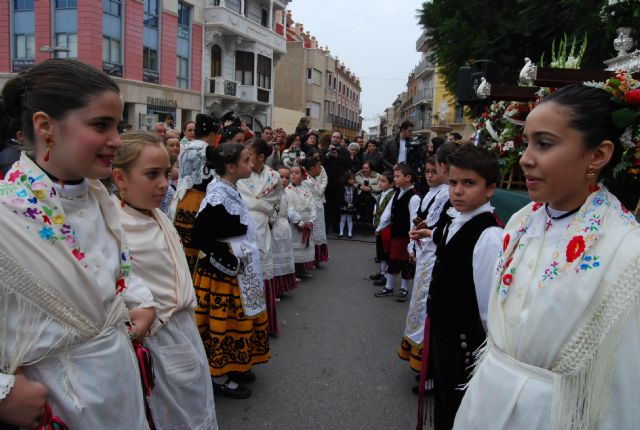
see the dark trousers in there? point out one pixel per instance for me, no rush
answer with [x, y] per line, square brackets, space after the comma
[331, 211]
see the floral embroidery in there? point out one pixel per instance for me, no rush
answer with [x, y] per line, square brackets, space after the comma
[507, 279]
[575, 248]
[31, 213]
[505, 242]
[46, 233]
[78, 254]
[589, 262]
[551, 272]
[536, 206]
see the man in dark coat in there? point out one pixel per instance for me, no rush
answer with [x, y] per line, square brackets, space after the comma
[336, 161]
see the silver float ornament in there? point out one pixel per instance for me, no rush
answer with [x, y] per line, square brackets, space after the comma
[484, 89]
[528, 73]
[624, 42]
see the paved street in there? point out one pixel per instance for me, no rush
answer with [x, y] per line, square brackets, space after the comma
[335, 364]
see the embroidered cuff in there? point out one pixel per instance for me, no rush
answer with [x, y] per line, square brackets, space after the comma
[6, 384]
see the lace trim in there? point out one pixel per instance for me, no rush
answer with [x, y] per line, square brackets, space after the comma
[6, 384]
[24, 284]
[582, 347]
[222, 194]
[192, 165]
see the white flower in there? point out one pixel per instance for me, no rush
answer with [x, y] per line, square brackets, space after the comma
[627, 138]
[571, 63]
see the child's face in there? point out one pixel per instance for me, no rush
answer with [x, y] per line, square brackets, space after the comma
[175, 170]
[315, 170]
[467, 189]
[284, 177]
[432, 176]
[145, 184]
[295, 175]
[401, 180]
[351, 181]
[384, 183]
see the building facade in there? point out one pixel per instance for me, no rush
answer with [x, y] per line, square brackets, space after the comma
[243, 42]
[177, 57]
[151, 48]
[310, 81]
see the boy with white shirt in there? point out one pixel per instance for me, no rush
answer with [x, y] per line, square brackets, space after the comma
[397, 215]
[467, 249]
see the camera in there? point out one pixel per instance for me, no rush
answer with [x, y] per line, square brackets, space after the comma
[366, 182]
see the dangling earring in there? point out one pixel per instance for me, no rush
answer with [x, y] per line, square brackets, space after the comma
[47, 141]
[592, 180]
[122, 202]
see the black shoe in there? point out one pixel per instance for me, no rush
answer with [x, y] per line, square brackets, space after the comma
[304, 275]
[401, 296]
[233, 393]
[242, 377]
[380, 282]
[350, 236]
[376, 276]
[384, 293]
[340, 236]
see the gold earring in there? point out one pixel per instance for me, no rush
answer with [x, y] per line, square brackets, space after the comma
[592, 180]
[49, 143]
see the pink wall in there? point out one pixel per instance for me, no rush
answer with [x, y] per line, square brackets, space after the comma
[196, 57]
[43, 29]
[5, 38]
[133, 40]
[168, 49]
[90, 32]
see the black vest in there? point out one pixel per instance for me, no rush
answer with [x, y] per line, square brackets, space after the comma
[400, 214]
[452, 303]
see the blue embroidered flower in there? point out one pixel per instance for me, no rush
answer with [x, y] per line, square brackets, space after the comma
[598, 200]
[22, 193]
[596, 264]
[587, 258]
[46, 233]
[33, 200]
[585, 266]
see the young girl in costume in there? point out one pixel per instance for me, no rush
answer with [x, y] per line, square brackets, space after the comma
[65, 266]
[261, 194]
[383, 240]
[231, 307]
[283, 264]
[302, 215]
[182, 395]
[347, 203]
[564, 313]
[316, 181]
[193, 180]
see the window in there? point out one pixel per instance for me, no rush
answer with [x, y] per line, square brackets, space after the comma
[149, 59]
[184, 22]
[182, 72]
[244, 67]
[69, 41]
[23, 4]
[112, 7]
[216, 61]
[234, 5]
[110, 50]
[264, 72]
[25, 47]
[66, 4]
[264, 18]
[314, 76]
[151, 13]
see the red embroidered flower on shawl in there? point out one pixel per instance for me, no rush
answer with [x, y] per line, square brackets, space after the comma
[120, 286]
[575, 248]
[78, 254]
[507, 279]
[536, 206]
[505, 242]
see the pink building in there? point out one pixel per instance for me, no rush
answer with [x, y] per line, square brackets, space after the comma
[152, 48]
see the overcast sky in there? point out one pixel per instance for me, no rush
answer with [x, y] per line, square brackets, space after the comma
[376, 39]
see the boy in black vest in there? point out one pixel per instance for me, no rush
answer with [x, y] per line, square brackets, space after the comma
[397, 215]
[467, 249]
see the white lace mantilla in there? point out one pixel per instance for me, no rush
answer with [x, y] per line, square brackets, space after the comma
[193, 160]
[220, 193]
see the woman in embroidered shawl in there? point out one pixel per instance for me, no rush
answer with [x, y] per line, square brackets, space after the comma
[564, 319]
[302, 216]
[64, 261]
[316, 182]
[193, 179]
[231, 307]
[261, 193]
[182, 396]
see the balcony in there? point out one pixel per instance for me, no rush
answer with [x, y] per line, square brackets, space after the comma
[423, 123]
[424, 96]
[424, 68]
[227, 19]
[253, 94]
[421, 43]
[223, 87]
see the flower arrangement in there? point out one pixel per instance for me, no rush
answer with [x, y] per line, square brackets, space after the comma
[501, 125]
[625, 91]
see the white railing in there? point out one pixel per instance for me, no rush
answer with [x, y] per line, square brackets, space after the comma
[423, 96]
[223, 87]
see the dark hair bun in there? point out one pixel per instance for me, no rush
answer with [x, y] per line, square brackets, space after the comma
[206, 124]
[12, 94]
[219, 157]
[261, 148]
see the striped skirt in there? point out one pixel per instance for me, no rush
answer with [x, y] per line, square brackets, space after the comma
[232, 342]
[185, 217]
[411, 353]
[285, 283]
[270, 295]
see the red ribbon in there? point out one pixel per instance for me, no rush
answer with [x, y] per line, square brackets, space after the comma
[145, 364]
[52, 422]
[423, 375]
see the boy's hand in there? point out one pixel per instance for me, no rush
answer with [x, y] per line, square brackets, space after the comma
[24, 405]
[419, 234]
[141, 321]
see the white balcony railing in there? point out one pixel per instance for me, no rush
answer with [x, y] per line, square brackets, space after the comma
[423, 96]
[422, 67]
[226, 17]
[223, 87]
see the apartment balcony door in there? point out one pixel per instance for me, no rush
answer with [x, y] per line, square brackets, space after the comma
[216, 61]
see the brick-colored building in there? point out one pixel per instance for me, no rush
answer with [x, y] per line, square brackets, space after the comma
[152, 48]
